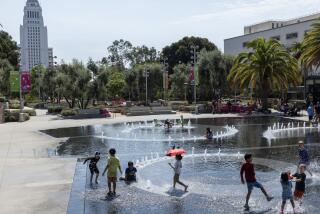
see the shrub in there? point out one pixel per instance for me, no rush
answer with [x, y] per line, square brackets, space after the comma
[13, 116]
[14, 104]
[68, 112]
[52, 109]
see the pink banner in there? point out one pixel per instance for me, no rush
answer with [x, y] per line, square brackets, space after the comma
[191, 76]
[25, 81]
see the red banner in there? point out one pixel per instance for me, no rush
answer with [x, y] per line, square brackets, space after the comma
[191, 76]
[25, 81]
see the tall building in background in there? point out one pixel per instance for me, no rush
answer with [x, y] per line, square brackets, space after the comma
[34, 38]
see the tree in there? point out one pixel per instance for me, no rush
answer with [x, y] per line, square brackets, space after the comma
[179, 52]
[143, 54]
[5, 69]
[267, 66]
[116, 84]
[311, 47]
[179, 78]
[92, 66]
[119, 54]
[212, 74]
[155, 80]
[9, 49]
[36, 80]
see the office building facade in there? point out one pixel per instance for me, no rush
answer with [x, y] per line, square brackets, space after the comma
[287, 33]
[34, 38]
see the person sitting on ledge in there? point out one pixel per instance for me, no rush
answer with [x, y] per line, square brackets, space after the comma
[93, 166]
[209, 134]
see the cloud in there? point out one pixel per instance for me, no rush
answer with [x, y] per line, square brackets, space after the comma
[243, 8]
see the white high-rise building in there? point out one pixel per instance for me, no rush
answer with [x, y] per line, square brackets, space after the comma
[33, 38]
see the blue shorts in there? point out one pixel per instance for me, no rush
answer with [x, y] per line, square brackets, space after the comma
[287, 197]
[255, 184]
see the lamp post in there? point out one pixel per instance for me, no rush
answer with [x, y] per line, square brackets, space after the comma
[165, 77]
[21, 119]
[146, 75]
[194, 58]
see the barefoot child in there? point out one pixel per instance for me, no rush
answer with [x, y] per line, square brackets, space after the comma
[177, 171]
[248, 169]
[112, 166]
[286, 191]
[304, 156]
[93, 166]
[130, 174]
[300, 178]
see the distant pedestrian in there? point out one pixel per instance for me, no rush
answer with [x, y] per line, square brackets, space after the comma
[310, 112]
[247, 168]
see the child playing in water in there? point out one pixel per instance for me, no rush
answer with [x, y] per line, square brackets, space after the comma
[112, 166]
[248, 169]
[286, 191]
[177, 171]
[304, 156]
[209, 134]
[300, 178]
[130, 174]
[93, 166]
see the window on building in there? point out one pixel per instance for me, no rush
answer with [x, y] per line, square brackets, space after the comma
[292, 35]
[244, 44]
[272, 25]
[276, 38]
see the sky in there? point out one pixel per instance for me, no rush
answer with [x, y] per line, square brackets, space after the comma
[85, 28]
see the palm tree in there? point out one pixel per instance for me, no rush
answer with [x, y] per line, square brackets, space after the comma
[267, 66]
[311, 47]
[296, 51]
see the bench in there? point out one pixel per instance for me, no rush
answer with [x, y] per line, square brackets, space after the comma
[88, 113]
[138, 111]
[163, 110]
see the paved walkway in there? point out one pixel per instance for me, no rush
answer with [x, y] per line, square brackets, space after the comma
[34, 180]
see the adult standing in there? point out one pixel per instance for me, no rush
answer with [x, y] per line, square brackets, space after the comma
[310, 112]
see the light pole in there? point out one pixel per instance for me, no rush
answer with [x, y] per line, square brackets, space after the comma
[165, 77]
[194, 62]
[21, 119]
[146, 75]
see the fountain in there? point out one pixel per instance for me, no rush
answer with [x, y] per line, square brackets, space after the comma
[189, 124]
[238, 155]
[192, 151]
[205, 152]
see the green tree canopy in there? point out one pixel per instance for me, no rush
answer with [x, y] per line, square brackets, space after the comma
[116, 84]
[179, 52]
[266, 67]
[9, 49]
[311, 47]
[5, 70]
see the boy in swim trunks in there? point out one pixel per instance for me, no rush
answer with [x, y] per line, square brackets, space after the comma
[248, 169]
[300, 178]
[112, 166]
[93, 166]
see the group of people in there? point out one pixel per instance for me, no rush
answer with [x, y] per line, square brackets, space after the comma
[112, 167]
[286, 180]
[314, 112]
[247, 175]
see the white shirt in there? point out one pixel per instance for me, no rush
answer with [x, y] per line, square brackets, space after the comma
[177, 167]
